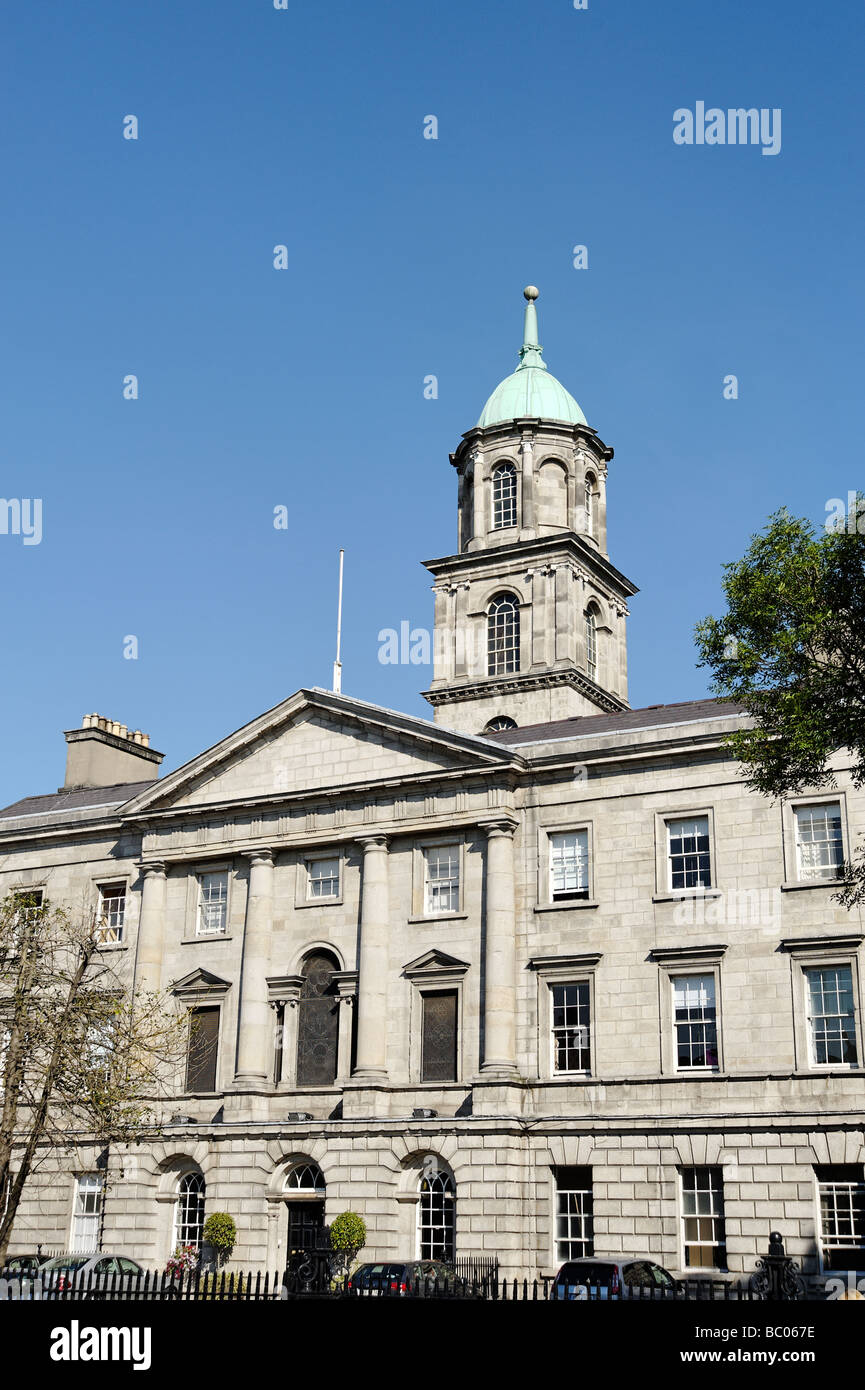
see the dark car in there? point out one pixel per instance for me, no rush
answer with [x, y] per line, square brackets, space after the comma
[592, 1279]
[401, 1278]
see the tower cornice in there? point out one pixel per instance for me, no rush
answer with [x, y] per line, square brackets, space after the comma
[529, 553]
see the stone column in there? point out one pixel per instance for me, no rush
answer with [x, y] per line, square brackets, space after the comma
[254, 1032]
[371, 1063]
[527, 517]
[479, 510]
[500, 988]
[151, 926]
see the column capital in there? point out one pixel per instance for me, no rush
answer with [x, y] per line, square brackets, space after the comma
[371, 842]
[263, 855]
[501, 826]
[152, 868]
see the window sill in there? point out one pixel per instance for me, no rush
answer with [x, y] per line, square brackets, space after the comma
[793, 885]
[208, 936]
[113, 946]
[698, 1073]
[440, 917]
[677, 895]
[574, 904]
[320, 902]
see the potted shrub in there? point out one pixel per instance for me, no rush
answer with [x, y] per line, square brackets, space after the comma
[220, 1233]
[347, 1237]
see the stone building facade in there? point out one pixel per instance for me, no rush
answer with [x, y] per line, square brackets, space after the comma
[536, 979]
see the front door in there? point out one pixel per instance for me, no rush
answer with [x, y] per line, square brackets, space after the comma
[305, 1221]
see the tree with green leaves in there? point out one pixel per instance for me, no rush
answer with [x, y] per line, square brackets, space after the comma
[80, 1054]
[791, 651]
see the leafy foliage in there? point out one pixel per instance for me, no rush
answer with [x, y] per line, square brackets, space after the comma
[789, 650]
[80, 1052]
[348, 1233]
[220, 1231]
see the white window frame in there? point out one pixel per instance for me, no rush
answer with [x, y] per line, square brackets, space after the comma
[584, 984]
[582, 892]
[546, 902]
[793, 879]
[664, 891]
[495, 495]
[106, 938]
[821, 953]
[203, 874]
[819, 1185]
[673, 963]
[445, 1179]
[179, 1207]
[314, 861]
[712, 1215]
[583, 1216]
[89, 1188]
[421, 908]
[563, 970]
[809, 969]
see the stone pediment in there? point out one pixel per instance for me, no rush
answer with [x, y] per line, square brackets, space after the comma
[316, 741]
[435, 964]
[201, 983]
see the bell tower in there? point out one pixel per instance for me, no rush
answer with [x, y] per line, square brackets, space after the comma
[529, 613]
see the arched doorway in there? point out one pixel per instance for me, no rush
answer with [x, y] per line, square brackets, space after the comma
[305, 1193]
[318, 1021]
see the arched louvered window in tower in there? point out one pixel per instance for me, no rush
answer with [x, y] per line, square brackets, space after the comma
[592, 643]
[504, 496]
[503, 635]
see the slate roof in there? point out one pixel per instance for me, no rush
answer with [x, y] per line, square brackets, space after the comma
[588, 725]
[77, 799]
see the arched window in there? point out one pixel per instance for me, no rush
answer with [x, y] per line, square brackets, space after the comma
[501, 721]
[306, 1179]
[436, 1217]
[592, 643]
[504, 496]
[503, 635]
[189, 1210]
[590, 505]
[317, 1021]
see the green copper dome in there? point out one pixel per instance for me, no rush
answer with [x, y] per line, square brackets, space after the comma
[531, 389]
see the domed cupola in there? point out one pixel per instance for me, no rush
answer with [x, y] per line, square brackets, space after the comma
[530, 611]
[531, 390]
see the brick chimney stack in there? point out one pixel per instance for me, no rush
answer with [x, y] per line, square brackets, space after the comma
[103, 753]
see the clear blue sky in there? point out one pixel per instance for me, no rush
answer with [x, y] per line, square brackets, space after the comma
[408, 257]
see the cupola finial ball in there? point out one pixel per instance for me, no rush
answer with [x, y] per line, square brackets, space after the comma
[531, 292]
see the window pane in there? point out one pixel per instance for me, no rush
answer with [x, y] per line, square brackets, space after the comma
[570, 1030]
[442, 878]
[842, 1216]
[704, 1234]
[437, 1217]
[213, 904]
[323, 880]
[569, 865]
[87, 1212]
[695, 1023]
[503, 636]
[819, 842]
[111, 912]
[831, 1016]
[574, 1211]
[504, 496]
[689, 853]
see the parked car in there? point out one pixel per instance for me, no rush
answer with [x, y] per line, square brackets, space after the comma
[92, 1276]
[400, 1278]
[606, 1279]
[24, 1264]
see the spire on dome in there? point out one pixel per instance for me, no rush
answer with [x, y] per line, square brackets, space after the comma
[530, 352]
